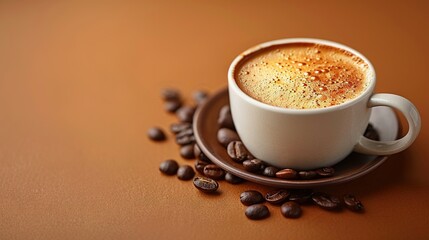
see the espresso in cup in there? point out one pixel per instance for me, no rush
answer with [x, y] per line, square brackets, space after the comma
[302, 76]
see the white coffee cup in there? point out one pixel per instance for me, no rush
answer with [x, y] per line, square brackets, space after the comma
[314, 138]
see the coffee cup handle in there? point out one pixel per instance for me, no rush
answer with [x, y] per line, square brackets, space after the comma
[367, 146]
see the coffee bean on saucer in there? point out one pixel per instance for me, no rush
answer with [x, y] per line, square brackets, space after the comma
[172, 106]
[226, 135]
[185, 114]
[291, 210]
[187, 151]
[199, 96]
[170, 94]
[237, 151]
[326, 201]
[352, 203]
[233, 179]
[301, 196]
[199, 165]
[270, 171]
[277, 196]
[213, 171]
[253, 165]
[169, 167]
[251, 197]
[287, 173]
[225, 118]
[205, 184]
[307, 175]
[178, 127]
[371, 133]
[257, 212]
[199, 154]
[185, 172]
[326, 172]
[156, 134]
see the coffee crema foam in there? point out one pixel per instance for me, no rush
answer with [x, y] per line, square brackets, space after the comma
[302, 76]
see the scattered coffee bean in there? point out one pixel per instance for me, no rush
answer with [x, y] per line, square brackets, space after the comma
[277, 196]
[187, 151]
[169, 167]
[287, 173]
[291, 210]
[225, 118]
[371, 133]
[270, 171]
[352, 203]
[156, 134]
[301, 196]
[199, 154]
[213, 171]
[170, 94]
[226, 135]
[185, 114]
[200, 164]
[253, 165]
[185, 140]
[205, 184]
[251, 197]
[237, 151]
[172, 106]
[185, 132]
[199, 96]
[326, 201]
[185, 172]
[257, 212]
[326, 172]
[307, 175]
[178, 127]
[233, 179]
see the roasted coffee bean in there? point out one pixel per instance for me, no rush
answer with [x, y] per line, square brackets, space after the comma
[187, 151]
[170, 94]
[185, 172]
[253, 165]
[199, 165]
[251, 197]
[301, 196]
[277, 196]
[287, 173]
[352, 203]
[172, 106]
[291, 210]
[185, 140]
[225, 118]
[326, 201]
[199, 96]
[178, 127]
[257, 212]
[205, 184]
[213, 171]
[326, 172]
[307, 175]
[199, 154]
[186, 114]
[169, 167]
[237, 151]
[185, 132]
[371, 133]
[233, 179]
[156, 134]
[226, 135]
[270, 171]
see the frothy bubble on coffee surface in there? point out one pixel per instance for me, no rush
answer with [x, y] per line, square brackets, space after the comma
[302, 76]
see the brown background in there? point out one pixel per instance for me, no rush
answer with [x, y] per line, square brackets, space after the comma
[80, 85]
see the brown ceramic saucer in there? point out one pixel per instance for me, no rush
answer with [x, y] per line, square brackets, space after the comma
[353, 166]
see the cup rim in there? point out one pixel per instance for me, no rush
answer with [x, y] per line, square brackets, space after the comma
[234, 86]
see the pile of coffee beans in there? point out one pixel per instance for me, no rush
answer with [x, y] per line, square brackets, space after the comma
[289, 200]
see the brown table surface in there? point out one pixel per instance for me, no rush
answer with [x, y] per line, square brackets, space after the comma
[80, 85]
